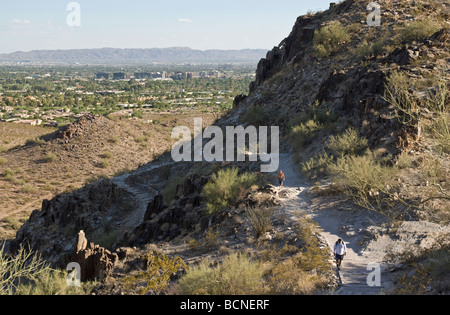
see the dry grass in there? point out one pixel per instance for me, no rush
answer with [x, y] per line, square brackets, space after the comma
[237, 275]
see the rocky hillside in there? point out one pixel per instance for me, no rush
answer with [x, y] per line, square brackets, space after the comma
[335, 73]
[364, 110]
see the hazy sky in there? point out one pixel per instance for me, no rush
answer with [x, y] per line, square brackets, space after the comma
[200, 24]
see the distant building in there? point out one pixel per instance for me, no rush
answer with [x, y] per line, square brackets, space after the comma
[159, 75]
[142, 75]
[102, 75]
[119, 76]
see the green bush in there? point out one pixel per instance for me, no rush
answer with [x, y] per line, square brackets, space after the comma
[50, 157]
[329, 39]
[316, 166]
[156, 277]
[225, 186]
[236, 275]
[349, 143]
[303, 133]
[9, 174]
[364, 179]
[306, 125]
[418, 30]
[368, 49]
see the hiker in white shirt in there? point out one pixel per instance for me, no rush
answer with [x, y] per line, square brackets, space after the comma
[340, 250]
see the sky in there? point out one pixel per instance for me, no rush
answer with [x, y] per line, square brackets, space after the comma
[27, 25]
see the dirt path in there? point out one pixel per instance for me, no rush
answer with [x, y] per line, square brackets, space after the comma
[142, 195]
[336, 221]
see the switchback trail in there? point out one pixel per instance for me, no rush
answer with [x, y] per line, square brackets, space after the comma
[141, 194]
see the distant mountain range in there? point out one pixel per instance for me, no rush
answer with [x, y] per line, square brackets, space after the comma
[134, 56]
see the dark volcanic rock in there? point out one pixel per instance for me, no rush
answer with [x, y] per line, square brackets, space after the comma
[95, 262]
[51, 230]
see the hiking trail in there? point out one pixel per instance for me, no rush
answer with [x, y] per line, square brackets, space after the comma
[335, 222]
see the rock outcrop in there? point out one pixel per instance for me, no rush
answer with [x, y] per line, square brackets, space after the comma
[51, 230]
[96, 263]
[165, 222]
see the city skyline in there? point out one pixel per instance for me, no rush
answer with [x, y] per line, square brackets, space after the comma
[27, 25]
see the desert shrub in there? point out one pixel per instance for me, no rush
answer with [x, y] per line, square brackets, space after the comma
[54, 282]
[211, 239]
[288, 279]
[317, 165]
[142, 139]
[108, 238]
[368, 49]
[23, 267]
[170, 190]
[293, 270]
[415, 283]
[438, 103]
[9, 174]
[236, 275]
[260, 219]
[349, 143]
[50, 157]
[424, 268]
[113, 139]
[2, 161]
[329, 39]
[156, 277]
[106, 155]
[306, 125]
[36, 141]
[407, 107]
[27, 189]
[11, 222]
[404, 161]
[418, 30]
[366, 180]
[414, 112]
[313, 257]
[256, 116]
[104, 163]
[303, 133]
[225, 186]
